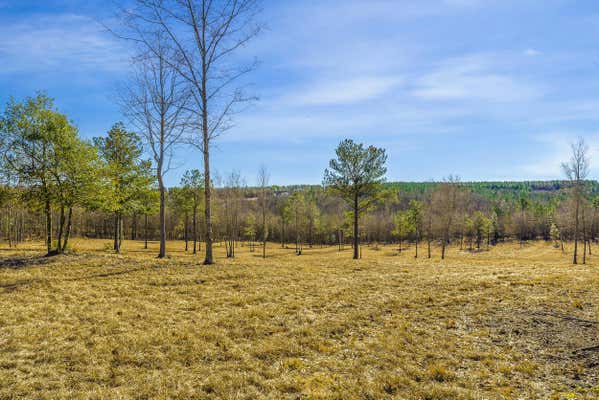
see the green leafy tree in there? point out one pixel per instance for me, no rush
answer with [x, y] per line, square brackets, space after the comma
[468, 231]
[297, 203]
[403, 227]
[555, 235]
[77, 183]
[193, 183]
[416, 216]
[356, 176]
[594, 220]
[41, 148]
[149, 199]
[480, 227]
[127, 175]
[285, 215]
[180, 202]
[249, 230]
[8, 201]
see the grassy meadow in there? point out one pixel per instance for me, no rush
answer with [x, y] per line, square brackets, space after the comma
[510, 323]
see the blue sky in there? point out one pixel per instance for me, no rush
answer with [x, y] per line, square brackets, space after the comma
[485, 89]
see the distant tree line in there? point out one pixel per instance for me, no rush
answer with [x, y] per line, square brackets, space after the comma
[55, 185]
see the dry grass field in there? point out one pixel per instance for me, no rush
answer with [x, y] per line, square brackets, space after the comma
[509, 323]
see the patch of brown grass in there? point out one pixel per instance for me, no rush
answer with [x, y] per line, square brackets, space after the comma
[509, 323]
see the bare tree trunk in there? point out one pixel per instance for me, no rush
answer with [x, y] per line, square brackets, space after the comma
[185, 231]
[195, 225]
[206, 150]
[417, 235]
[584, 238]
[116, 231]
[67, 234]
[48, 213]
[145, 230]
[356, 238]
[60, 230]
[134, 227]
[162, 250]
[443, 244]
[575, 260]
[208, 211]
[121, 230]
[263, 177]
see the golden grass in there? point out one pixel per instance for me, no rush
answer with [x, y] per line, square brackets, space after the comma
[509, 323]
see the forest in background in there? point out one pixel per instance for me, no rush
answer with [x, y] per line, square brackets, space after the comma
[482, 214]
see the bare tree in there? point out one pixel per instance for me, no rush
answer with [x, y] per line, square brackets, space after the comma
[232, 198]
[263, 177]
[577, 170]
[204, 36]
[445, 202]
[155, 100]
[193, 184]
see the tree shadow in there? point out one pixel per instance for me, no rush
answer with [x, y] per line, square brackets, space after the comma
[22, 262]
[19, 249]
[104, 274]
[9, 287]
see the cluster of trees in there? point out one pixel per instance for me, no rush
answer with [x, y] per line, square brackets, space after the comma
[55, 184]
[48, 168]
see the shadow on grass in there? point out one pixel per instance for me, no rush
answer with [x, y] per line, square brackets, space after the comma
[103, 275]
[9, 287]
[22, 262]
[20, 250]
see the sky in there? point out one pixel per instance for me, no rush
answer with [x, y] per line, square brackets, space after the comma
[482, 89]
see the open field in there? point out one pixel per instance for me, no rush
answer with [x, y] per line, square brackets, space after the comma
[509, 323]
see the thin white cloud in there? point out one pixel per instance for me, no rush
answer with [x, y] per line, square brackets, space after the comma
[348, 91]
[65, 42]
[554, 149]
[531, 52]
[473, 78]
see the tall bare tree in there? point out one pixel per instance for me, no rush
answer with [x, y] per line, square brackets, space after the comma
[232, 199]
[445, 202]
[577, 170]
[205, 36]
[155, 100]
[263, 177]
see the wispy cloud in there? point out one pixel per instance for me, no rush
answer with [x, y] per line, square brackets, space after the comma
[67, 42]
[346, 91]
[531, 52]
[473, 78]
[553, 148]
